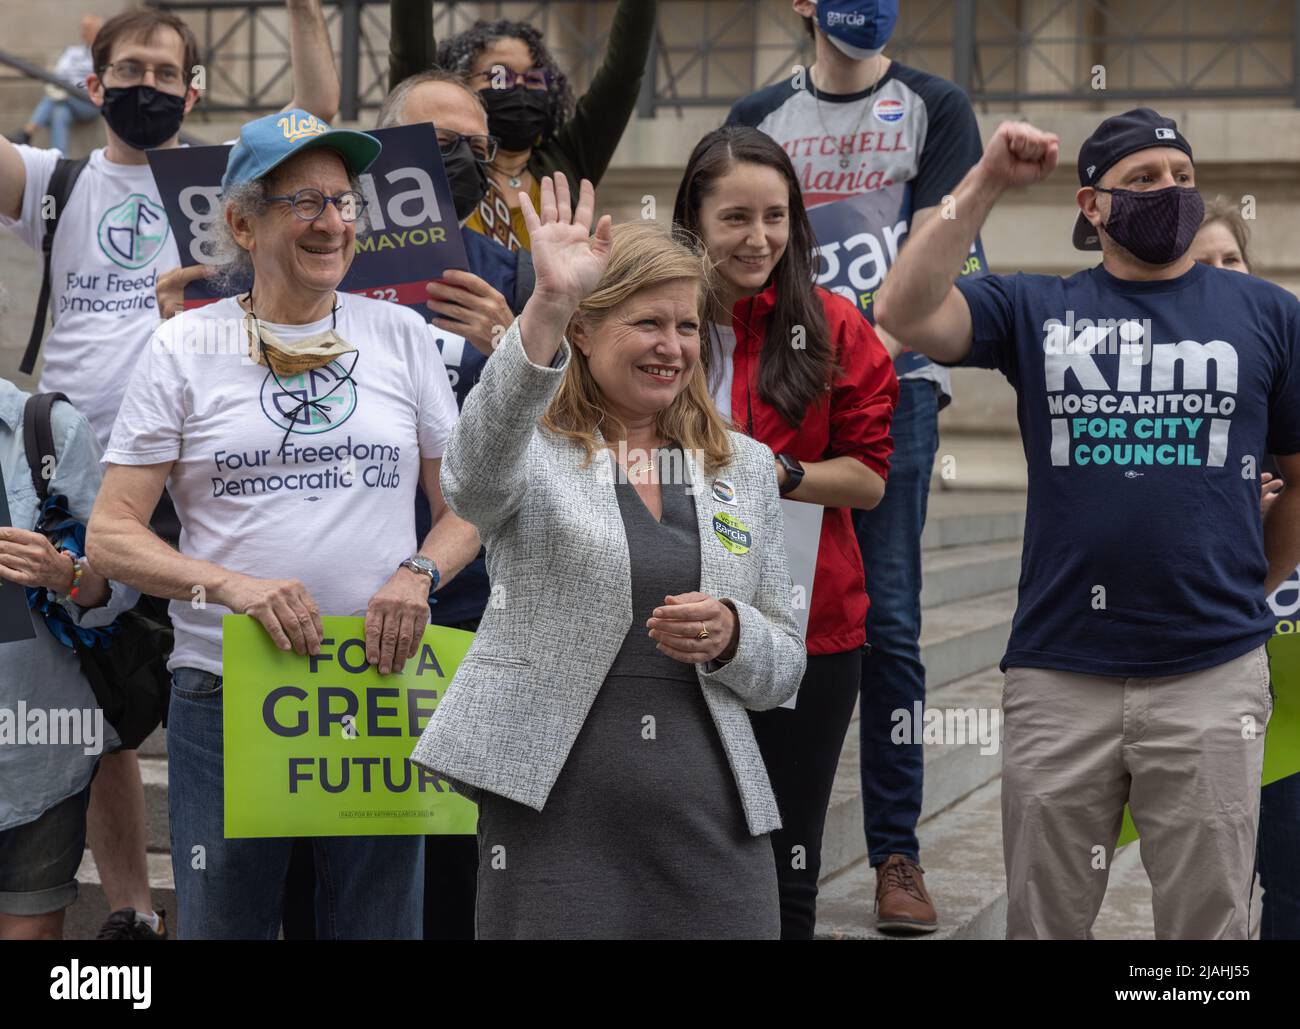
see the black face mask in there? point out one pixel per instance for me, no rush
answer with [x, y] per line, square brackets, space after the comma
[141, 116]
[517, 116]
[467, 178]
[1156, 226]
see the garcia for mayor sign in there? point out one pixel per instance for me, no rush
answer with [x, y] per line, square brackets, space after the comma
[412, 234]
[319, 746]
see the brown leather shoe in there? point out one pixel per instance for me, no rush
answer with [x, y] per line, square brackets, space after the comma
[903, 904]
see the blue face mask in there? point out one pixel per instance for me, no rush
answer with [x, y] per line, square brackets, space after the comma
[858, 28]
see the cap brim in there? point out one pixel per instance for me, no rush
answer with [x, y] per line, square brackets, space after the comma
[1086, 237]
[358, 149]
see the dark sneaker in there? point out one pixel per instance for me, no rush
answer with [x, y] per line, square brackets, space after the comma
[903, 904]
[123, 925]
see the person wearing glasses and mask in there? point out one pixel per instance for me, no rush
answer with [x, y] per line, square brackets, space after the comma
[530, 103]
[112, 245]
[315, 395]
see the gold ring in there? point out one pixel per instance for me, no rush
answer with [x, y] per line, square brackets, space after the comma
[704, 634]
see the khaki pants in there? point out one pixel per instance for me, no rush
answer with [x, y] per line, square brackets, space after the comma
[1186, 752]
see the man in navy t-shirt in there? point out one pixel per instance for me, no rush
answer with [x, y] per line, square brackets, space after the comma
[1149, 390]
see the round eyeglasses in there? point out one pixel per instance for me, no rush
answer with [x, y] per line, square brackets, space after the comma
[309, 204]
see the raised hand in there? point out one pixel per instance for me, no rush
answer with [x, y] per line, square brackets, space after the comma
[1020, 155]
[568, 258]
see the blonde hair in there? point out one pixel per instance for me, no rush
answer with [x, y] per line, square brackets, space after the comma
[1221, 209]
[644, 255]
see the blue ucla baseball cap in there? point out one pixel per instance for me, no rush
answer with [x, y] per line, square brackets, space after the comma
[266, 143]
[858, 28]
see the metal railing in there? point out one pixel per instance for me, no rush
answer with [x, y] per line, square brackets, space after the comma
[708, 53]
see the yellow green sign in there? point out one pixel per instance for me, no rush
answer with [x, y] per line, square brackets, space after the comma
[320, 746]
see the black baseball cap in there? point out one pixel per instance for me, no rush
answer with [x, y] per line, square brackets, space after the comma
[1116, 138]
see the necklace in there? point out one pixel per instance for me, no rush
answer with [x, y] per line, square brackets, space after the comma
[866, 103]
[515, 178]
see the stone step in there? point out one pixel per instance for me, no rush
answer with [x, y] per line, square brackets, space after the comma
[982, 462]
[962, 519]
[952, 771]
[961, 851]
[90, 911]
[959, 573]
[963, 637]
[156, 744]
[153, 773]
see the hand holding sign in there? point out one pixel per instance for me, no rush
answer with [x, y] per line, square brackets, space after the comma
[283, 606]
[395, 620]
[465, 304]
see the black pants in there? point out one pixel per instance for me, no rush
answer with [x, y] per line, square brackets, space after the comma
[801, 749]
[450, 882]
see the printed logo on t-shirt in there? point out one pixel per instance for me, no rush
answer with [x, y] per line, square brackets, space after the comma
[310, 403]
[887, 109]
[133, 232]
[1163, 407]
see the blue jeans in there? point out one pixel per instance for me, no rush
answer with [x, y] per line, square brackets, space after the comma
[58, 116]
[892, 674]
[367, 887]
[1279, 858]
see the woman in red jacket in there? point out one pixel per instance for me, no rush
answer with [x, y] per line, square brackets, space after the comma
[800, 369]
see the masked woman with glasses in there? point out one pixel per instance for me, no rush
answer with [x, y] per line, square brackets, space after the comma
[291, 423]
[530, 103]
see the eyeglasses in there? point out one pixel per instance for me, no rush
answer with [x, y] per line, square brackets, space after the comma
[309, 204]
[501, 77]
[483, 147]
[132, 73]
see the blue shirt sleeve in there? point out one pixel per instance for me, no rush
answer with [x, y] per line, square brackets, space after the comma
[991, 299]
[1284, 400]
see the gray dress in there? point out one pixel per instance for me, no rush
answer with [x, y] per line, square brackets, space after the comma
[643, 835]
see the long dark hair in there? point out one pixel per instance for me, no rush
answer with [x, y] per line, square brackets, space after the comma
[459, 52]
[790, 379]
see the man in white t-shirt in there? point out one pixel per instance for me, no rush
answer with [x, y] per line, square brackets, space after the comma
[112, 242]
[291, 424]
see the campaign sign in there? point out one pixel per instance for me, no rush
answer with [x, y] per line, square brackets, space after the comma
[411, 236]
[320, 746]
[15, 615]
[857, 243]
[1282, 741]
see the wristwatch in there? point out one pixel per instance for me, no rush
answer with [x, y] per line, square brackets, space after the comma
[423, 566]
[793, 473]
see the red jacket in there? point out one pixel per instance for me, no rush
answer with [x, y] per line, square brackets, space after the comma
[853, 420]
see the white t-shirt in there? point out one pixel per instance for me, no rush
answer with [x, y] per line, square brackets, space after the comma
[113, 242]
[722, 344]
[336, 510]
[74, 65]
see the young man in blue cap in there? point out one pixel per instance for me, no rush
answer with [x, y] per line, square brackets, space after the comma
[857, 123]
[312, 395]
[1149, 388]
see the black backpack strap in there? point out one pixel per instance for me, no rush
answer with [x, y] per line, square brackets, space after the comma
[65, 176]
[525, 279]
[38, 438]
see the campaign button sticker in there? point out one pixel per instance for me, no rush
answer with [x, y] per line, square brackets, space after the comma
[724, 491]
[887, 109]
[733, 533]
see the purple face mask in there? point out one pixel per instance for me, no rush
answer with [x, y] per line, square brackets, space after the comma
[1156, 226]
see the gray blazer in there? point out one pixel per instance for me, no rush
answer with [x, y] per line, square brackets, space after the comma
[562, 595]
